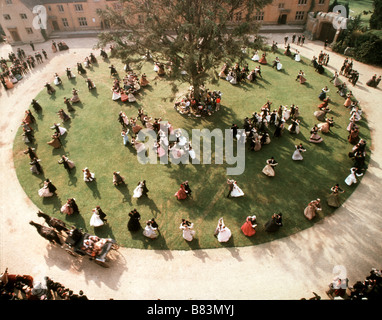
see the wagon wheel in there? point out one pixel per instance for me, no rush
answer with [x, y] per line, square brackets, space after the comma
[115, 246]
[71, 252]
[102, 264]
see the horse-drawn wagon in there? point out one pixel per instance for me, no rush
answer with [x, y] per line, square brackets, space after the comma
[75, 241]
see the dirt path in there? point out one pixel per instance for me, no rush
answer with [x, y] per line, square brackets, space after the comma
[289, 268]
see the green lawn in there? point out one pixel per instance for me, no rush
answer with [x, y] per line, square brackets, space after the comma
[94, 141]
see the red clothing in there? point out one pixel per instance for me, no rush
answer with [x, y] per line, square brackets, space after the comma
[247, 228]
[181, 194]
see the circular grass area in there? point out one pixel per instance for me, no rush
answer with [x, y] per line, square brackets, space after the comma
[94, 140]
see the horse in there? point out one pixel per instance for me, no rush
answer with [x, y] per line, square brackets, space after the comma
[53, 222]
[47, 233]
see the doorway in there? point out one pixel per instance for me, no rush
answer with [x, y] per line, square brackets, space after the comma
[14, 34]
[55, 25]
[282, 19]
[327, 32]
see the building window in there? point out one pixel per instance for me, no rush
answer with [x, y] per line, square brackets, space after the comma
[321, 1]
[65, 22]
[281, 5]
[302, 2]
[60, 8]
[78, 7]
[299, 15]
[238, 16]
[7, 17]
[8, 2]
[29, 30]
[259, 16]
[23, 16]
[82, 21]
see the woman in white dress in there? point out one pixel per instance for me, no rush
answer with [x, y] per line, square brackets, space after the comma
[355, 114]
[131, 96]
[75, 98]
[255, 56]
[125, 137]
[88, 176]
[351, 178]
[188, 233]
[95, 220]
[236, 191]
[297, 153]
[191, 152]
[151, 231]
[61, 130]
[222, 232]
[44, 191]
[140, 189]
[297, 56]
[57, 81]
[116, 94]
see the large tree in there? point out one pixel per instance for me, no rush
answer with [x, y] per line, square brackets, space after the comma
[194, 36]
[376, 17]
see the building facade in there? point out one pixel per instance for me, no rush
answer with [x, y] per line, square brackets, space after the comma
[20, 18]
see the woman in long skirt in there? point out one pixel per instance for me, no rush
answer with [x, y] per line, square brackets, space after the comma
[186, 227]
[297, 156]
[249, 226]
[333, 198]
[55, 142]
[222, 232]
[35, 166]
[315, 137]
[348, 100]
[75, 98]
[140, 189]
[275, 223]
[312, 208]
[150, 230]
[351, 178]
[48, 190]
[68, 164]
[181, 193]
[95, 220]
[88, 176]
[269, 168]
[134, 224]
[117, 178]
[67, 208]
[236, 191]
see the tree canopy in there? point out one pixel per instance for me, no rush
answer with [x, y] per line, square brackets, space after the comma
[194, 36]
[376, 17]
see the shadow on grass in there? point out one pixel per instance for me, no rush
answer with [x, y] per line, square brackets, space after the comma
[124, 190]
[93, 187]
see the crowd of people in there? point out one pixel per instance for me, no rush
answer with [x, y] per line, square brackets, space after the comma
[25, 287]
[257, 133]
[21, 63]
[369, 288]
